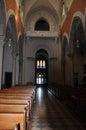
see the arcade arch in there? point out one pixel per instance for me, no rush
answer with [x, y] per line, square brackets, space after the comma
[41, 67]
[9, 54]
[77, 51]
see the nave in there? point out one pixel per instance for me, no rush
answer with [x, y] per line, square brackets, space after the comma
[50, 114]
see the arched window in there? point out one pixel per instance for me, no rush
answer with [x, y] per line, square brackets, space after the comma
[38, 64]
[44, 66]
[41, 67]
[41, 25]
[41, 64]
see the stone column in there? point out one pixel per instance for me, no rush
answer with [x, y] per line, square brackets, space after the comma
[70, 69]
[13, 66]
[1, 57]
[24, 59]
[20, 70]
[60, 76]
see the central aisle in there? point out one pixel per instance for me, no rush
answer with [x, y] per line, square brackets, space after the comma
[50, 114]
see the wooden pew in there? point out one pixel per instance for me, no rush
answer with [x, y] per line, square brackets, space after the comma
[11, 114]
[12, 107]
[21, 89]
[11, 95]
[15, 109]
[30, 100]
[77, 102]
[17, 100]
[13, 101]
[9, 120]
[20, 92]
[29, 91]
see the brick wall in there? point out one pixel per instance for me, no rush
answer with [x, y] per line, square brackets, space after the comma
[11, 4]
[77, 5]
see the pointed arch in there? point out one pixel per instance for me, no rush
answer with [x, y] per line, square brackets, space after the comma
[77, 49]
[10, 51]
[77, 34]
[41, 67]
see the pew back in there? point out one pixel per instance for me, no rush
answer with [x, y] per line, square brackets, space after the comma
[9, 120]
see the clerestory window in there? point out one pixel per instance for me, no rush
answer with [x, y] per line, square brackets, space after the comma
[41, 25]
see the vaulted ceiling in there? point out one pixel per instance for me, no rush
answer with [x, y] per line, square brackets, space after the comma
[49, 6]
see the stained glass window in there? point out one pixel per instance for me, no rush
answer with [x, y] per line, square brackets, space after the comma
[41, 64]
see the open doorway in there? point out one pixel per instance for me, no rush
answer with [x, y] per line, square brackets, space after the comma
[8, 79]
[41, 67]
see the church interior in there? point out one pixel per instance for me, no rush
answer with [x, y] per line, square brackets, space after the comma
[42, 64]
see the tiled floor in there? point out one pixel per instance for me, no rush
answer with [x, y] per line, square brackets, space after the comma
[50, 114]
